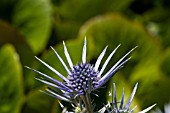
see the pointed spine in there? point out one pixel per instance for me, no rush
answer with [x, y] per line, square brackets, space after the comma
[68, 56]
[84, 51]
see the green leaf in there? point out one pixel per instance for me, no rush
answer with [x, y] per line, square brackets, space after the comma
[165, 63]
[153, 74]
[81, 11]
[156, 92]
[114, 29]
[87, 8]
[38, 102]
[11, 86]
[56, 109]
[33, 19]
[147, 69]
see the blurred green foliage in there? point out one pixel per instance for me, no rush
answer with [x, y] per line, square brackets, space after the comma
[29, 27]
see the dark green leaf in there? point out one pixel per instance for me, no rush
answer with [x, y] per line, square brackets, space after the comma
[9, 34]
[89, 8]
[158, 22]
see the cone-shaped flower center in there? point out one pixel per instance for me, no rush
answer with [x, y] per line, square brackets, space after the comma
[83, 77]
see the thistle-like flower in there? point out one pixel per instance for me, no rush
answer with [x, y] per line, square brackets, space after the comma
[82, 78]
[119, 107]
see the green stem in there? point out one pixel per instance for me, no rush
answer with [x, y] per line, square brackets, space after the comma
[88, 104]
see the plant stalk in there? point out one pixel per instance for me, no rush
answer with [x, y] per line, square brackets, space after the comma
[87, 101]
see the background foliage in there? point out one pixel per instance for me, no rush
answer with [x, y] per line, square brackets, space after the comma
[29, 27]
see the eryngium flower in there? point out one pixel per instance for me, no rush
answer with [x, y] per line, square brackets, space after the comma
[82, 78]
[119, 107]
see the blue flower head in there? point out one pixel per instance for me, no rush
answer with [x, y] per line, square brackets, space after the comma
[119, 107]
[81, 79]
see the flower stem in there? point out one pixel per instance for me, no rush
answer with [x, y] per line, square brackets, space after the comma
[88, 104]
